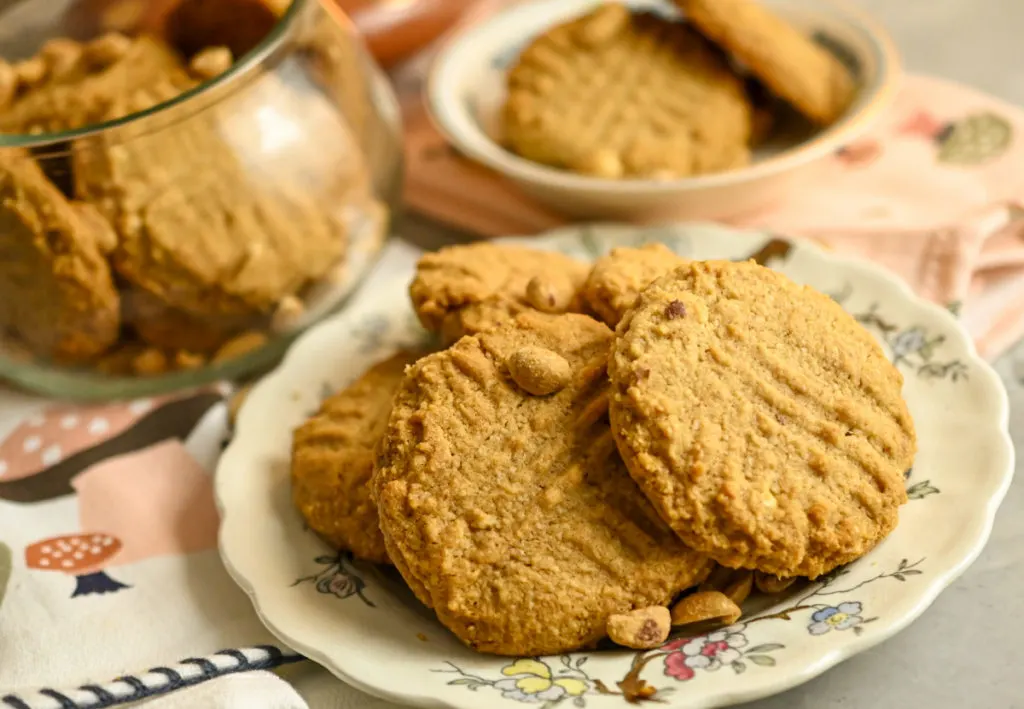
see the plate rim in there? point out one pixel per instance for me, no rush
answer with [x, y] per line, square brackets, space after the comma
[773, 684]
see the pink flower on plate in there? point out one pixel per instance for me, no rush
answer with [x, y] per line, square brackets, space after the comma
[675, 644]
[675, 666]
[859, 153]
[709, 652]
[922, 124]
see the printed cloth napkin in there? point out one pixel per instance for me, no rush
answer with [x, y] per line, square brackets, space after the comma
[112, 592]
[934, 193]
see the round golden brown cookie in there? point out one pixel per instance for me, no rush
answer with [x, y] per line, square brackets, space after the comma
[787, 61]
[463, 290]
[196, 231]
[56, 290]
[763, 421]
[616, 94]
[510, 513]
[332, 459]
[158, 324]
[84, 95]
[618, 277]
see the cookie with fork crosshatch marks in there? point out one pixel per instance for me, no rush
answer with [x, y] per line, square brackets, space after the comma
[618, 94]
[510, 513]
[763, 422]
[57, 294]
[788, 62]
[463, 290]
[332, 460]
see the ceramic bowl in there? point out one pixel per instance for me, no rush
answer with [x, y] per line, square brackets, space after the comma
[466, 91]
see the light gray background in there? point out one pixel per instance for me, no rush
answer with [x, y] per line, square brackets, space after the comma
[968, 649]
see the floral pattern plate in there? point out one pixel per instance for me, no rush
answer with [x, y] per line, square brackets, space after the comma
[362, 624]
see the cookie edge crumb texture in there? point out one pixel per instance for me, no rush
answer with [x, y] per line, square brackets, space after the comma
[647, 467]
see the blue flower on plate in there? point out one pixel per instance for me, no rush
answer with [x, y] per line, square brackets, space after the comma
[908, 342]
[842, 617]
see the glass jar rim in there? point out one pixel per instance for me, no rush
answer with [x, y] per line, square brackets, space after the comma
[249, 62]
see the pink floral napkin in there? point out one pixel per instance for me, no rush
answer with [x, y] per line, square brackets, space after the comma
[934, 193]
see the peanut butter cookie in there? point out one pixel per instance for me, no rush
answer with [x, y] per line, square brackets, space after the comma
[463, 290]
[56, 290]
[90, 93]
[332, 459]
[510, 512]
[158, 324]
[196, 229]
[762, 421]
[787, 61]
[617, 94]
[618, 277]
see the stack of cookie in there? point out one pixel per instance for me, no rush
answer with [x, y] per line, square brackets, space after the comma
[180, 240]
[546, 482]
[621, 94]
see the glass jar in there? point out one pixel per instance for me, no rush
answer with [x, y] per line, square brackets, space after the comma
[168, 217]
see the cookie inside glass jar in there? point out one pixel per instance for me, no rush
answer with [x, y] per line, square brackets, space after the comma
[209, 202]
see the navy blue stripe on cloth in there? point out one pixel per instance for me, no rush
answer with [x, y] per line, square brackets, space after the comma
[102, 695]
[236, 654]
[174, 679]
[64, 701]
[13, 702]
[204, 665]
[137, 684]
[107, 695]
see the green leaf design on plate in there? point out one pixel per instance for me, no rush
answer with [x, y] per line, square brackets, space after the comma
[975, 139]
[5, 569]
[921, 490]
[590, 242]
[762, 660]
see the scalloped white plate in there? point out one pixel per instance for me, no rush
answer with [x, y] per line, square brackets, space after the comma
[364, 626]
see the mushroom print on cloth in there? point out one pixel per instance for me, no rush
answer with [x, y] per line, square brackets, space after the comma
[80, 555]
[40, 456]
[140, 493]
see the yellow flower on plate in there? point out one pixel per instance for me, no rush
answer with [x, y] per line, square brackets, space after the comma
[527, 667]
[531, 681]
[837, 619]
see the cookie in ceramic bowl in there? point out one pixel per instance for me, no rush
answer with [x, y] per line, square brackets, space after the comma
[512, 93]
[617, 94]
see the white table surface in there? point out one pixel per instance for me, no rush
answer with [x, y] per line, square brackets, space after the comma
[968, 649]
